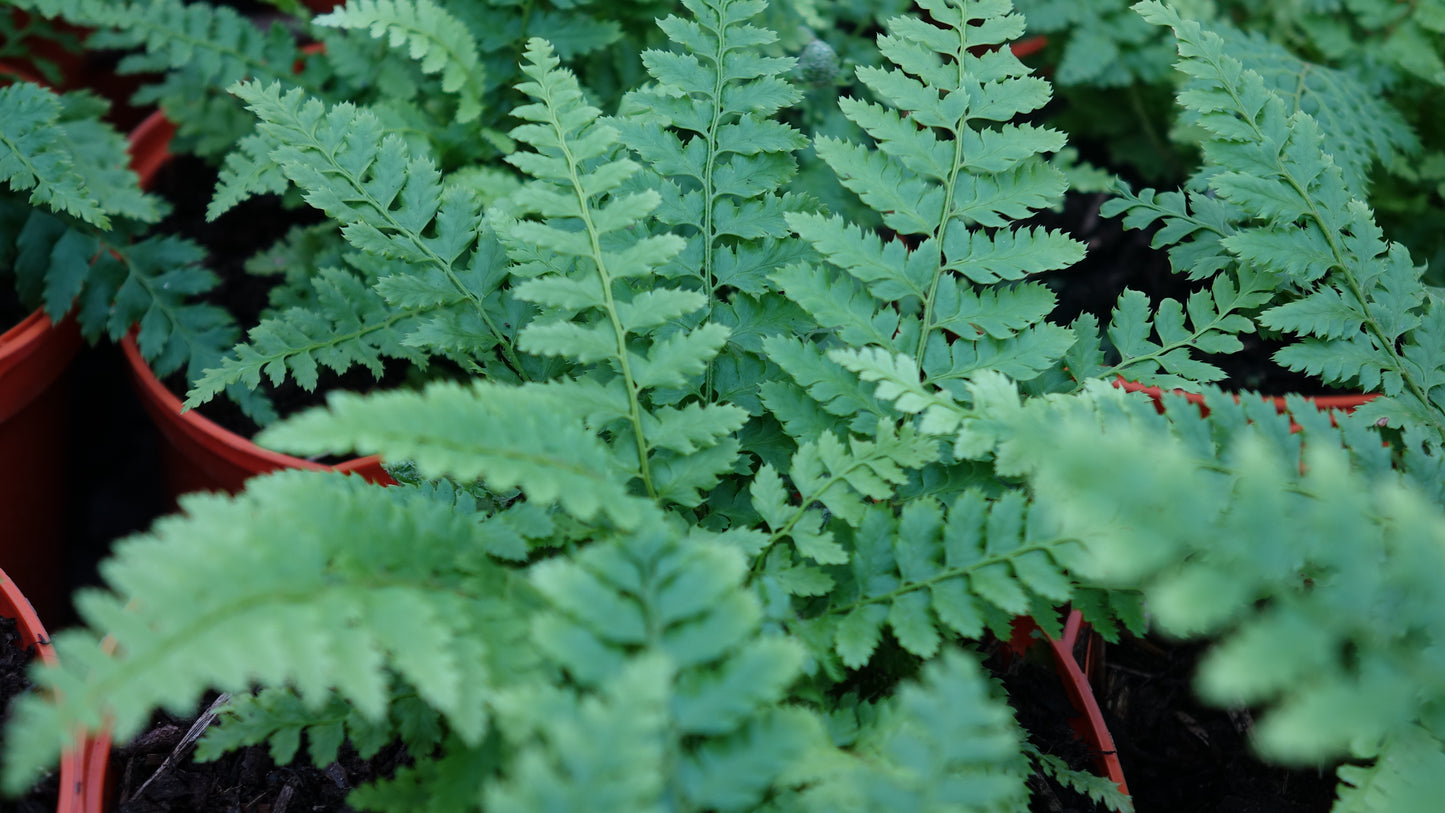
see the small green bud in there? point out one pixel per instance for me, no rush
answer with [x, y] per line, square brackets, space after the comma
[818, 65]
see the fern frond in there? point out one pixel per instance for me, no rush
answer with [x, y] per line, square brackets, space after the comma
[941, 742]
[600, 752]
[280, 719]
[506, 436]
[1361, 129]
[296, 582]
[932, 574]
[446, 783]
[589, 275]
[113, 285]
[199, 49]
[707, 128]
[1104, 45]
[434, 37]
[351, 325]
[389, 203]
[56, 150]
[951, 174]
[825, 382]
[831, 478]
[1102, 790]
[1158, 348]
[1264, 544]
[1408, 774]
[1192, 226]
[675, 615]
[1307, 225]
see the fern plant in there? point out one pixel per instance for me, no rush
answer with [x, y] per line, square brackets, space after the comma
[71, 234]
[1369, 71]
[737, 479]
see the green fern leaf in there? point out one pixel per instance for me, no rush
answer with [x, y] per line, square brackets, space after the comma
[353, 327]
[432, 36]
[950, 172]
[603, 752]
[680, 609]
[279, 718]
[589, 273]
[199, 50]
[388, 203]
[508, 436]
[46, 155]
[1281, 644]
[1273, 163]
[344, 610]
[931, 573]
[706, 128]
[1406, 775]
[948, 724]
[446, 783]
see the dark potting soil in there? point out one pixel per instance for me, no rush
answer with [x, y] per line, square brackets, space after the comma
[12, 312]
[14, 660]
[1118, 258]
[155, 773]
[1181, 756]
[1043, 709]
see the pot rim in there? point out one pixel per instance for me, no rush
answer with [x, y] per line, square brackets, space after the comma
[1090, 725]
[233, 447]
[77, 763]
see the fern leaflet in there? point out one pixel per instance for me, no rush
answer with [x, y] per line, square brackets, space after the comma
[707, 129]
[591, 280]
[441, 43]
[341, 612]
[948, 177]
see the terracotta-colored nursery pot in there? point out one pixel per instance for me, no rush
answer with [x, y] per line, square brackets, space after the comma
[79, 766]
[33, 482]
[197, 454]
[200, 455]
[33, 357]
[1343, 403]
[1089, 724]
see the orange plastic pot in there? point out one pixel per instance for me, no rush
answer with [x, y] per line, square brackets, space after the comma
[33, 483]
[1029, 46]
[196, 453]
[199, 455]
[84, 764]
[1343, 403]
[71, 63]
[1089, 721]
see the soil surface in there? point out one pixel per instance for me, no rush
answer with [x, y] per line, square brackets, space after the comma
[1043, 709]
[156, 774]
[14, 660]
[1118, 258]
[1181, 756]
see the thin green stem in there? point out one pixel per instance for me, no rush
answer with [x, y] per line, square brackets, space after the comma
[594, 241]
[950, 573]
[709, 193]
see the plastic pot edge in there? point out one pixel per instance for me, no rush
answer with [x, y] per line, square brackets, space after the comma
[78, 765]
[1090, 724]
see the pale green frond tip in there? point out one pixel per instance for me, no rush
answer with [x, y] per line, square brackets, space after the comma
[432, 36]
